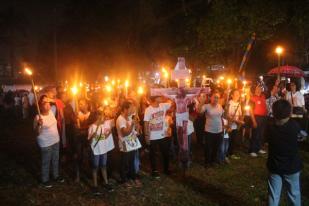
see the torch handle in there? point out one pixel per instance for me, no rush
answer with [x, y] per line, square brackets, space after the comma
[76, 111]
[35, 98]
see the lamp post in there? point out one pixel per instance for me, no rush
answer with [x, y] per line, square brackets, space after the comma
[279, 51]
[30, 73]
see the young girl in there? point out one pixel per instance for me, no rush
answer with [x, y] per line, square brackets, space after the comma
[225, 144]
[101, 139]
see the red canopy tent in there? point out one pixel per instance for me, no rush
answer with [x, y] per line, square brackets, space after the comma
[287, 71]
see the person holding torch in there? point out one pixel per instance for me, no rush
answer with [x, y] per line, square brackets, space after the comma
[45, 125]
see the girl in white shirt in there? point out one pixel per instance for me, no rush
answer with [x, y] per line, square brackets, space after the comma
[100, 136]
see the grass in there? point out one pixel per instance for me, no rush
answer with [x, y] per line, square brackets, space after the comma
[241, 183]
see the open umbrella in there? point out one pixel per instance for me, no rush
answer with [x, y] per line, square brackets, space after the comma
[287, 71]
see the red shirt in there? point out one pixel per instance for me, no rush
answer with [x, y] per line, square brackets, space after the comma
[260, 107]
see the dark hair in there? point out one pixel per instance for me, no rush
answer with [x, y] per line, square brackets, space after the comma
[153, 98]
[125, 105]
[296, 84]
[42, 98]
[281, 109]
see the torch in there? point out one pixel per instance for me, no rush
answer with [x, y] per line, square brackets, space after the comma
[74, 91]
[126, 84]
[29, 73]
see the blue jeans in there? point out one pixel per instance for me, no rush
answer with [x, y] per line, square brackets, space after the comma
[99, 161]
[224, 149]
[50, 155]
[257, 134]
[293, 188]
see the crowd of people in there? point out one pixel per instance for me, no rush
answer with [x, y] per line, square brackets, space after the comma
[114, 130]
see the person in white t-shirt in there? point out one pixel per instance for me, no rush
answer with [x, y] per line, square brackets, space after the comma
[297, 100]
[48, 140]
[100, 136]
[234, 117]
[126, 128]
[213, 128]
[154, 119]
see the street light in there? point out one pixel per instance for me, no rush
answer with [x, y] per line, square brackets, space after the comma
[279, 50]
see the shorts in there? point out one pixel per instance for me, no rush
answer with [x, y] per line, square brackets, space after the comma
[99, 161]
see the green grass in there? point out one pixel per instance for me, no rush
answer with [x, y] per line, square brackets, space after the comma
[243, 182]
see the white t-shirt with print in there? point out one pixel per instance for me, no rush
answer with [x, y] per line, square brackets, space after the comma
[213, 118]
[156, 117]
[49, 133]
[121, 122]
[234, 112]
[105, 144]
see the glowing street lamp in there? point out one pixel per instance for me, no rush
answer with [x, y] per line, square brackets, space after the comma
[279, 50]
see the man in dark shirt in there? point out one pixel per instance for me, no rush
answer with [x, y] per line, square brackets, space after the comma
[284, 163]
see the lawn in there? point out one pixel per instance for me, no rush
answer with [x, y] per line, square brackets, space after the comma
[243, 182]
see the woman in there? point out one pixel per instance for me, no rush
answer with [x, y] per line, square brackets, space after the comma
[234, 116]
[45, 125]
[213, 129]
[297, 100]
[284, 163]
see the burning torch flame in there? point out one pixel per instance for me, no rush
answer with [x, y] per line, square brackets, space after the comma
[28, 71]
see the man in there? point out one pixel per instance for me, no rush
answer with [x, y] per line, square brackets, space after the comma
[154, 133]
[271, 100]
[259, 122]
[284, 163]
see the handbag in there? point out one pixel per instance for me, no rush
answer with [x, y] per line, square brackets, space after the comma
[299, 111]
[131, 143]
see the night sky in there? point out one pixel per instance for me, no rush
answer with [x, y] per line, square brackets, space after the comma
[94, 37]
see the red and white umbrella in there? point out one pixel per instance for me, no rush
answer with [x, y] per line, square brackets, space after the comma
[287, 71]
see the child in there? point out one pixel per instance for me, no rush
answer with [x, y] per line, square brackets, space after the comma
[101, 139]
[225, 144]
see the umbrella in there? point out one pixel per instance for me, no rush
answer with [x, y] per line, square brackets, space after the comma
[287, 71]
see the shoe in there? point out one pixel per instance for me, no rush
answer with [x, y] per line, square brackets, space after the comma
[138, 183]
[227, 160]
[156, 175]
[128, 184]
[235, 157]
[262, 151]
[253, 154]
[59, 179]
[96, 191]
[109, 188]
[46, 185]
